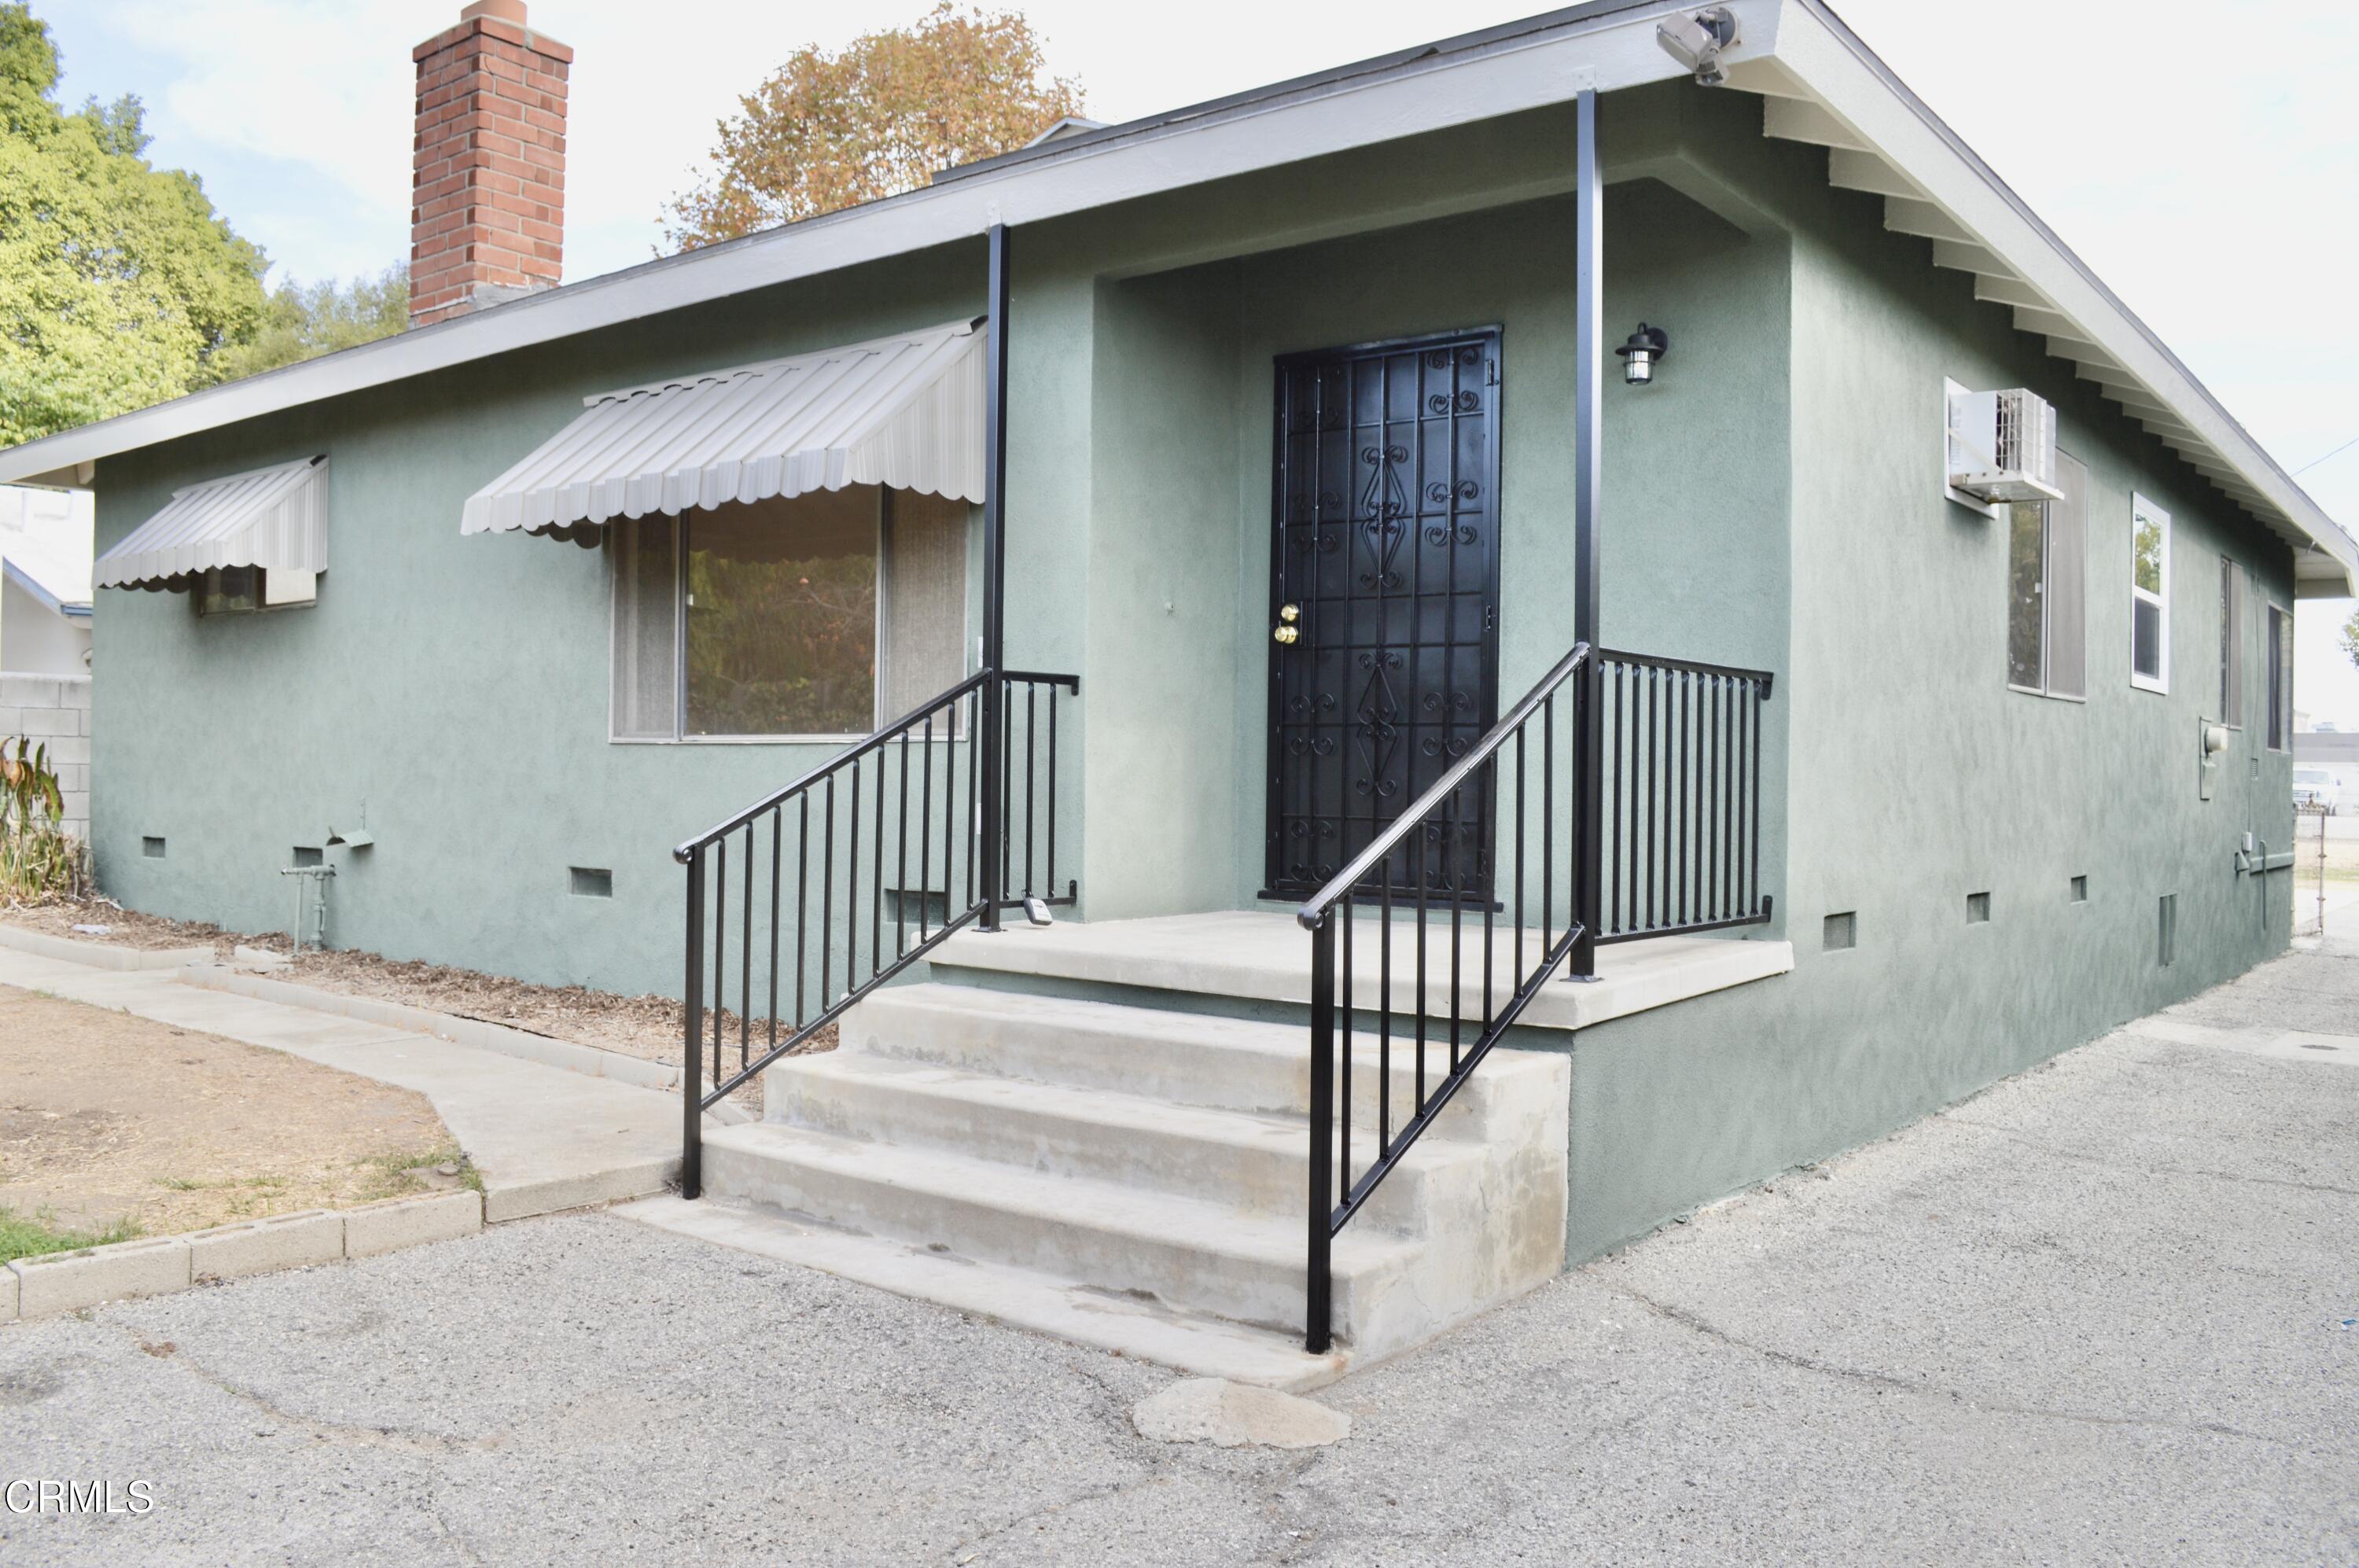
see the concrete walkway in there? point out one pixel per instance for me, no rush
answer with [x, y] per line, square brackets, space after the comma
[2106, 1312]
[543, 1139]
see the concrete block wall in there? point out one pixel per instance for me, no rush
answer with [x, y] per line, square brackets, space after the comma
[53, 711]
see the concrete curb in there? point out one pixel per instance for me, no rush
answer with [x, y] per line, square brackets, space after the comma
[261, 1247]
[589, 1061]
[411, 1221]
[156, 1265]
[593, 1189]
[62, 1282]
[100, 955]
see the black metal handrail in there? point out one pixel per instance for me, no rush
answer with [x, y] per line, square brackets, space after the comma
[1434, 828]
[1680, 803]
[909, 797]
[1660, 829]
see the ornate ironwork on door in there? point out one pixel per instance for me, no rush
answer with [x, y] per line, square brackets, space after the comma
[1384, 606]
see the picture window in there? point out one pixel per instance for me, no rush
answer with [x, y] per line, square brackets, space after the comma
[818, 616]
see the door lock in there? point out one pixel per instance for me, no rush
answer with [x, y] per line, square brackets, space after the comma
[1286, 632]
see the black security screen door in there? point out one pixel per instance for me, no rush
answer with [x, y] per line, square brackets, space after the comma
[1384, 607]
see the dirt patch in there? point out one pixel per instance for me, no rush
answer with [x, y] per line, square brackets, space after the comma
[125, 928]
[645, 1026]
[105, 1117]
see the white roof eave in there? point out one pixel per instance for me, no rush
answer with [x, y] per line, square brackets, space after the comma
[1844, 96]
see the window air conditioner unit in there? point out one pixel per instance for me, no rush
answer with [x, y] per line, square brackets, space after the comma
[2003, 446]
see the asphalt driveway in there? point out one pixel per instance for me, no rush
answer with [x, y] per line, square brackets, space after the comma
[2107, 1312]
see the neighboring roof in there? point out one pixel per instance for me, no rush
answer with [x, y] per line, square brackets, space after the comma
[268, 518]
[45, 539]
[1070, 126]
[1822, 83]
[41, 595]
[905, 410]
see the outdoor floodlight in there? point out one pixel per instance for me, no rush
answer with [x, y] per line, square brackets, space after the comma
[1697, 41]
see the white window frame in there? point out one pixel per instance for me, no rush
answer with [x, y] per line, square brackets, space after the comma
[2046, 539]
[680, 646]
[2046, 688]
[2280, 703]
[2159, 681]
[2047, 620]
[288, 590]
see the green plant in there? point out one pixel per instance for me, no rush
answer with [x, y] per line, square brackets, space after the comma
[24, 1235]
[397, 1172]
[878, 116]
[39, 858]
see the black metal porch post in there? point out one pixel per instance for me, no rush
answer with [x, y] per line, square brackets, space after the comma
[994, 579]
[1588, 388]
[1317, 1330]
[691, 1067]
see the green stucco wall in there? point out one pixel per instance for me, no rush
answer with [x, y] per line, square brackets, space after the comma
[1773, 501]
[1916, 777]
[457, 687]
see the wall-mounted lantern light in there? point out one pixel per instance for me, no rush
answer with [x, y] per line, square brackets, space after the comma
[1647, 345]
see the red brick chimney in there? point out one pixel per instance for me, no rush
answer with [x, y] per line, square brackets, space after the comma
[487, 191]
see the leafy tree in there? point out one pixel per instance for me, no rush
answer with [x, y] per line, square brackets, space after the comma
[301, 322]
[119, 285]
[2351, 636]
[826, 130]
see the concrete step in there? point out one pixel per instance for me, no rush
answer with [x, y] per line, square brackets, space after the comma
[1202, 1346]
[1185, 1253]
[1252, 1161]
[1190, 1059]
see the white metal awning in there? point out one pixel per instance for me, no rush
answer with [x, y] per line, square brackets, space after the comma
[271, 517]
[905, 411]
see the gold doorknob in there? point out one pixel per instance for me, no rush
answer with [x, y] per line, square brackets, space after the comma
[1289, 613]
[1285, 633]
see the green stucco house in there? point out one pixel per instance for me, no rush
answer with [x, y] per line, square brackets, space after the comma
[1614, 537]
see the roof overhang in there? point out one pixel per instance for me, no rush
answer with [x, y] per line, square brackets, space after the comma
[1822, 82]
[1608, 44]
[32, 588]
[1821, 86]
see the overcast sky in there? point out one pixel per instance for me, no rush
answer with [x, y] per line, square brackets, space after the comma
[2201, 158]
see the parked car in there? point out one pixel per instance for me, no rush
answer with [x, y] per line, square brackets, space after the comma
[2314, 790]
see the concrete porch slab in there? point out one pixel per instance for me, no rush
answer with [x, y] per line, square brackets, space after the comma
[1265, 956]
